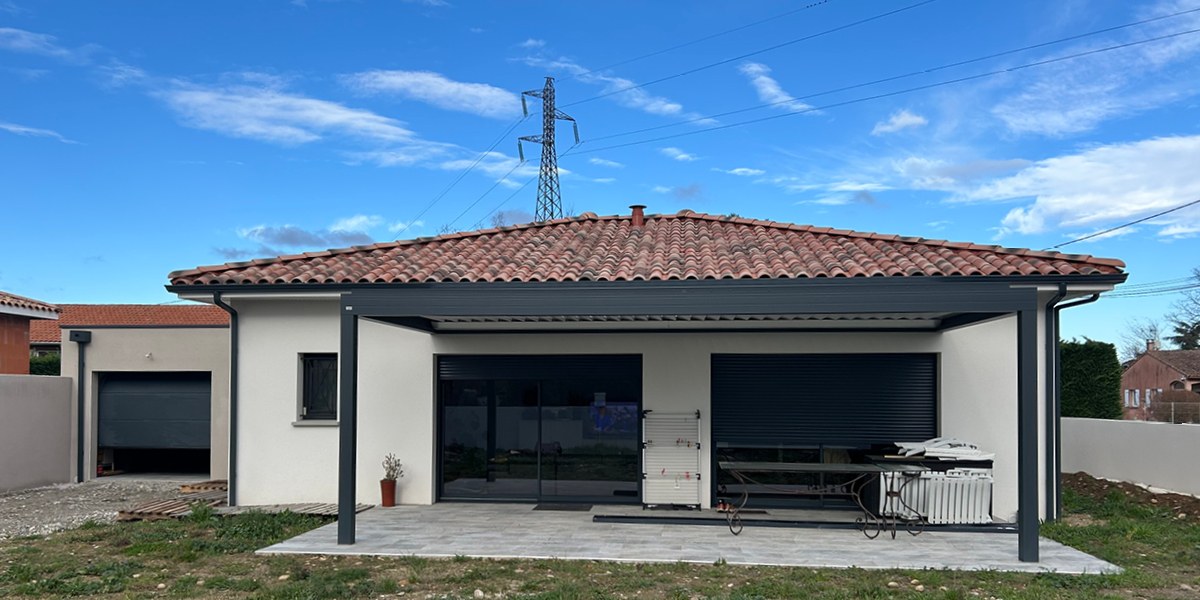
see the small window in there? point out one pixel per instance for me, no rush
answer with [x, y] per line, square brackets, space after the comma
[1137, 398]
[1149, 395]
[1126, 398]
[318, 394]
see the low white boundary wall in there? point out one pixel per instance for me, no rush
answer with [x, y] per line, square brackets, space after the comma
[35, 431]
[1160, 455]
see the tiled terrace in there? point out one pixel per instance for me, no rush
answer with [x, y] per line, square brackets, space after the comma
[517, 531]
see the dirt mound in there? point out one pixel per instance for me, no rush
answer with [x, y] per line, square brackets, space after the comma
[1099, 489]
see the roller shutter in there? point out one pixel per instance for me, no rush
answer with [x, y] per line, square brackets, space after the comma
[770, 400]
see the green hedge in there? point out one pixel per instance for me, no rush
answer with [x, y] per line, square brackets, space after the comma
[1091, 380]
[44, 365]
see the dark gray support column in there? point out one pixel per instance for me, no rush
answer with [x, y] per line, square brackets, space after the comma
[232, 478]
[1050, 417]
[347, 425]
[1027, 436]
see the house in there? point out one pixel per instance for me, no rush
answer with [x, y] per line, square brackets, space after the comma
[514, 363]
[151, 386]
[1159, 376]
[16, 315]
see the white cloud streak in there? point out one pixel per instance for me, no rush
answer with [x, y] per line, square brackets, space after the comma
[900, 120]
[636, 98]
[28, 42]
[273, 115]
[677, 154]
[437, 90]
[1101, 186]
[604, 162]
[22, 130]
[768, 89]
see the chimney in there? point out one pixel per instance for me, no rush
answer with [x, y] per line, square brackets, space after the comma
[639, 218]
[1151, 345]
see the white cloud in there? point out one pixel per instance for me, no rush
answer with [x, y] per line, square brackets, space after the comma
[273, 115]
[635, 98]
[603, 162]
[435, 89]
[901, 119]
[118, 74]
[925, 173]
[22, 130]
[532, 43]
[677, 154]
[356, 223]
[742, 172]
[1077, 95]
[28, 42]
[399, 226]
[660, 189]
[768, 89]
[1102, 186]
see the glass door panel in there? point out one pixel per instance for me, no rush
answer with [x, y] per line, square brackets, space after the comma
[590, 440]
[489, 439]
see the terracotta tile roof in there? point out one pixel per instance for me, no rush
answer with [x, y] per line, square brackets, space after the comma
[1184, 361]
[128, 315]
[15, 301]
[685, 245]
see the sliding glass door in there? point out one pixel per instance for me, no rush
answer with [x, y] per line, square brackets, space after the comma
[540, 428]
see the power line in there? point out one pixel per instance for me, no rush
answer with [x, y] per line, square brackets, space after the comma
[1155, 284]
[489, 191]
[1152, 293]
[895, 93]
[702, 39]
[754, 53]
[470, 168]
[898, 77]
[1124, 225]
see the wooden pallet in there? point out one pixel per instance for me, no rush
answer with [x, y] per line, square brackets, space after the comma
[221, 496]
[163, 509]
[315, 509]
[204, 486]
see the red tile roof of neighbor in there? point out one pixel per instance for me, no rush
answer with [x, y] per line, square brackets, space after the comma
[1184, 361]
[685, 245]
[128, 315]
[15, 301]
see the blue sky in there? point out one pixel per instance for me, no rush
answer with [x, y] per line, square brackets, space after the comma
[141, 138]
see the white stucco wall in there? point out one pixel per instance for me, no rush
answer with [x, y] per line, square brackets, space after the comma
[282, 462]
[195, 349]
[1154, 454]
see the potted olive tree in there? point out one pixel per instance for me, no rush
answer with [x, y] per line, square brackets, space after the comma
[392, 470]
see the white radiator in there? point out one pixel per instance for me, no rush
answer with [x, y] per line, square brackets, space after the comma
[671, 459]
[958, 496]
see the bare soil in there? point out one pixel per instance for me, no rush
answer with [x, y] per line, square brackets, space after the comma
[1183, 507]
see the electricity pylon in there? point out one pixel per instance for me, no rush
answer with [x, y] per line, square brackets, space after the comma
[549, 199]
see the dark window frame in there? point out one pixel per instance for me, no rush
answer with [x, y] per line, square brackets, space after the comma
[318, 369]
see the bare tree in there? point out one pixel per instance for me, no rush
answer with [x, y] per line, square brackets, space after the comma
[1187, 309]
[1137, 333]
[510, 217]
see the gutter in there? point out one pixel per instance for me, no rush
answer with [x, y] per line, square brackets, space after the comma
[1057, 415]
[233, 395]
[1051, 352]
[81, 339]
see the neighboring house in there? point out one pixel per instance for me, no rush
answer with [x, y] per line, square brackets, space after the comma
[16, 315]
[1156, 376]
[514, 363]
[156, 386]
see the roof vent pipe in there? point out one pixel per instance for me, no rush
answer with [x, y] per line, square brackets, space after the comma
[639, 218]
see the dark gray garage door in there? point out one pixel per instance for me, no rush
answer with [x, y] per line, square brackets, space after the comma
[155, 410]
[810, 400]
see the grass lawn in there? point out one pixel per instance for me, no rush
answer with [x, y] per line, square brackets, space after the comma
[204, 557]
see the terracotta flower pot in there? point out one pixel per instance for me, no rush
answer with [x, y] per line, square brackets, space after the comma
[387, 488]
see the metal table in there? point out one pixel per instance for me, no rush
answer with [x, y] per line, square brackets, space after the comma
[865, 473]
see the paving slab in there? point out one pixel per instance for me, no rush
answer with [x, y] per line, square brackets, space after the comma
[516, 531]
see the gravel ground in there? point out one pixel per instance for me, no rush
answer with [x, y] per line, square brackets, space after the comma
[44, 510]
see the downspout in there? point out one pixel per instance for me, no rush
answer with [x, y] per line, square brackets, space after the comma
[81, 339]
[1058, 401]
[1051, 339]
[233, 395]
